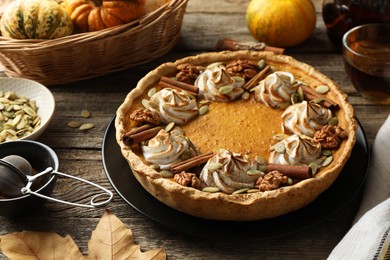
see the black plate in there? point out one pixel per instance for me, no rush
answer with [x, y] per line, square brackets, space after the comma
[337, 196]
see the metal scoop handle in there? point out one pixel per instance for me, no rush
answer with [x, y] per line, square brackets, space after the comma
[93, 202]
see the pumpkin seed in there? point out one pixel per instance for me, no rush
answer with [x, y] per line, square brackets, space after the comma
[327, 161]
[145, 103]
[226, 89]
[22, 123]
[155, 167]
[152, 104]
[240, 191]
[326, 152]
[333, 121]
[151, 92]
[238, 79]
[245, 96]
[252, 191]
[191, 144]
[253, 172]
[300, 94]
[260, 160]
[204, 102]
[16, 120]
[214, 166]
[211, 189]
[280, 147]
[169, 127]
[314, 167]
[85, 113]
[322, 89]
[87, 126]
[166, 174]
[261, 64]
[294, 98]
[318, 100]
[263, 168]
[203, 110]
[29, 111]
[280, 137]
[74, 124]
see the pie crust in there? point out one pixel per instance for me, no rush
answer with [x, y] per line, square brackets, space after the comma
[246, 206]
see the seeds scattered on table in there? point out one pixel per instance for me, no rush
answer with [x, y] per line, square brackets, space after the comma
[85, 113]
[87, 126]
[74, 124]
[83, 127]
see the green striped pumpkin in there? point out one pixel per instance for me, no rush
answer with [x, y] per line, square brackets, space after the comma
[35, 19]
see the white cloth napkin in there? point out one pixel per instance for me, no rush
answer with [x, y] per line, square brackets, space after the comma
[369, 237]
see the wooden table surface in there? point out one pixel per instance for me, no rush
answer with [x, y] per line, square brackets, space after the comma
[205, 22]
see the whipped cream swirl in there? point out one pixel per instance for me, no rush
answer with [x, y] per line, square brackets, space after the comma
[305, 118]
[228, 172]
[174, 106]
[276, 89]
[167, 148]
[297, 150]
[216, 84]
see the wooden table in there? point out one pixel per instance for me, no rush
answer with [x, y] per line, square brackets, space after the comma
[205, 22]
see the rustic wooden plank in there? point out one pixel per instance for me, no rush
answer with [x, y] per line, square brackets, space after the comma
[80, 152]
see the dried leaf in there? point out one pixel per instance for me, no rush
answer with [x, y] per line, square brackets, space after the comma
[110, 240]
[39, 245]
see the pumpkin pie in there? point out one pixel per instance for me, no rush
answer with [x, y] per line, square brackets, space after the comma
[236, 135]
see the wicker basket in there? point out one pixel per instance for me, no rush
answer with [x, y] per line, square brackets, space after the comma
[87, 55]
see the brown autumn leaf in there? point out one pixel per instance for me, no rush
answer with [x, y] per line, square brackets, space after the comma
[110, 240]
[38, 245]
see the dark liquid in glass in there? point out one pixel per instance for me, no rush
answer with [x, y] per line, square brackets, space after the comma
[371, 80]
[341, 15]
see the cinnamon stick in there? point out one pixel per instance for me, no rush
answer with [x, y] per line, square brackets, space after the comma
[166, 82]
[140, 129]
[192, 162]
[300, 172]
[256, 79]
[312, 94]
[232, 45]
[131, 138]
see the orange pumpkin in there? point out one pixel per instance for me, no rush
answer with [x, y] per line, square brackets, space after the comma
[281, 23]
[95, 15]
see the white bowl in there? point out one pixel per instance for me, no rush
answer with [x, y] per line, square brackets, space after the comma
[36, 92]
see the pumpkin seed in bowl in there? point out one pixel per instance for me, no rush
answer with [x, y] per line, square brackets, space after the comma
[26, 108]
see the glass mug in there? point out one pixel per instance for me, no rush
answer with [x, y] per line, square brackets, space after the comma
[341, 15]
[366, 56]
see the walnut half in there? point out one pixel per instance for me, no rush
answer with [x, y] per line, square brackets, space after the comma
[243, 68]
[330, 136]
[272, 181]
[189, 180]
[143, 116]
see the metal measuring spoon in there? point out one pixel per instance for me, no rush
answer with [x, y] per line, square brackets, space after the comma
[16, 180]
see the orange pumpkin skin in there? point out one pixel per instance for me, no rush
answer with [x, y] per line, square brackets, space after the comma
[281, 23]
[94, 15]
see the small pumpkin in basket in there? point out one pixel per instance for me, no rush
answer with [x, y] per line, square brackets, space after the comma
[35, 19]
[95, 15]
